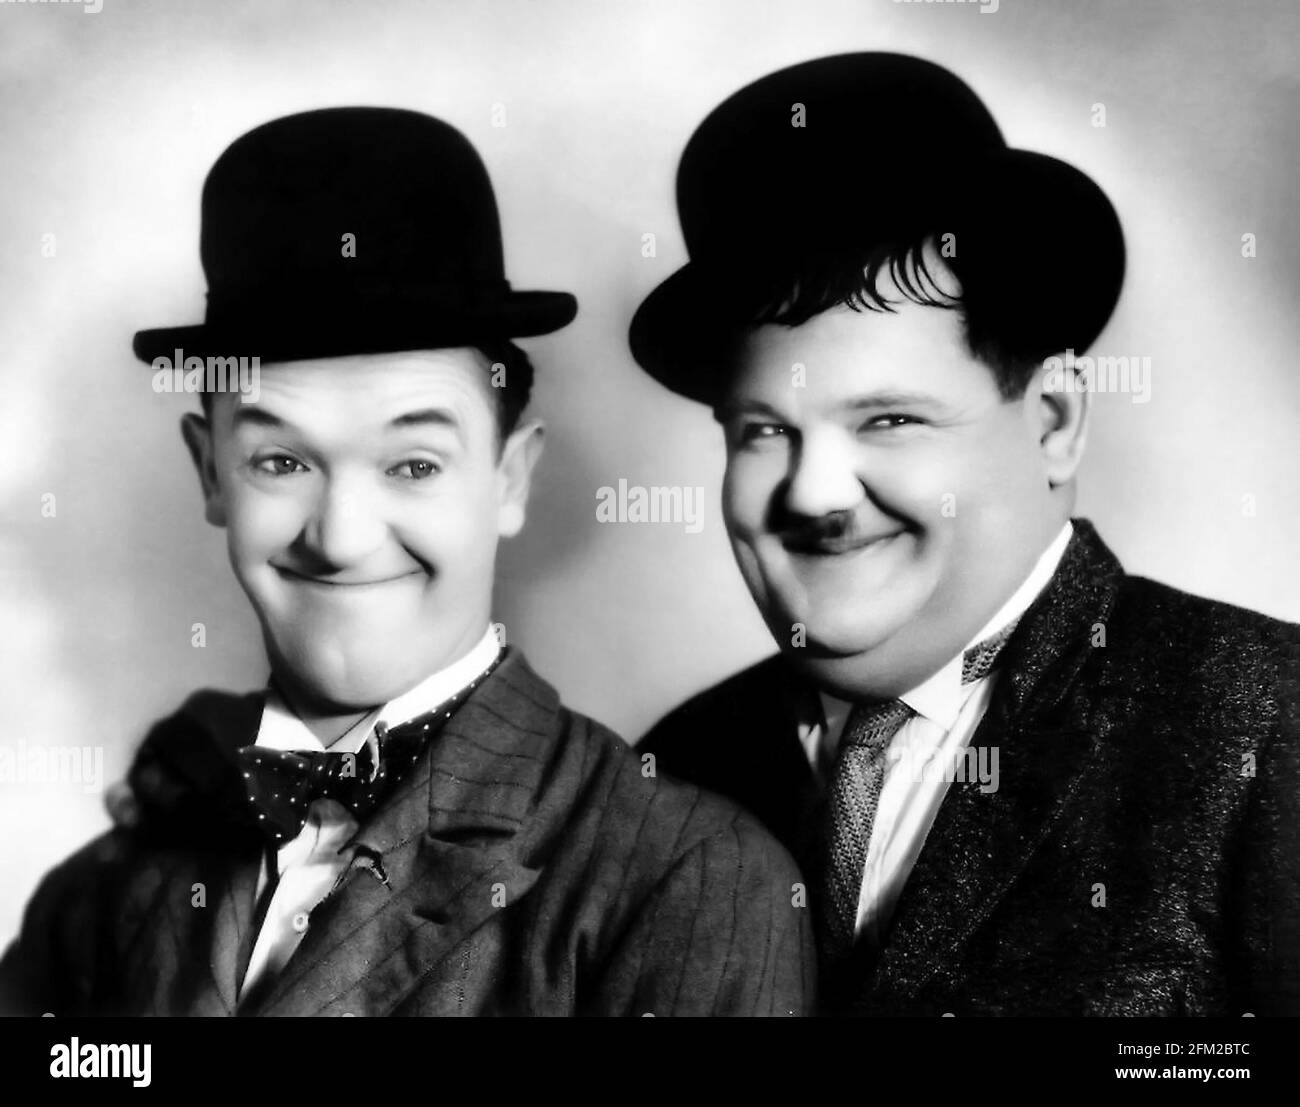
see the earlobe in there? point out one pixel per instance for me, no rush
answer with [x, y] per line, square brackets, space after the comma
[519, 457]
[197, 434]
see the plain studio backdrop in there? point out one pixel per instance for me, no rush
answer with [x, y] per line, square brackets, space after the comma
[109, 122]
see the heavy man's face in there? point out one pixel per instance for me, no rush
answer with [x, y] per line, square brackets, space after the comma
[363, 499]
[884, 501]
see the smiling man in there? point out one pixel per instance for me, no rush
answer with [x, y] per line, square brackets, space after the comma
[407, 821]
[1021, 781]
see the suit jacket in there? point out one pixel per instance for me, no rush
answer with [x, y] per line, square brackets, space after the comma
[526, 867]
[1141, 854]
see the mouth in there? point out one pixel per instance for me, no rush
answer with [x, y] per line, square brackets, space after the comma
[342, 582]
[837, 547]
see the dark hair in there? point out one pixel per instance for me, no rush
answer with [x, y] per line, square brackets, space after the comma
[793, 292]
[510, 397]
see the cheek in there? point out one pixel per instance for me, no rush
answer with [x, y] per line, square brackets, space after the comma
[1004, 475]
[921, 484]
[260, 524]
[748, 486]
[454, 531]
[992, 490]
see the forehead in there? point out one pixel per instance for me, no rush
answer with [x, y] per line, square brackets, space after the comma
[842, 352]
[375, 388]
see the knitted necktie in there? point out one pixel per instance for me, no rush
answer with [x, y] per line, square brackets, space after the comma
[282, 784]
[854, 793]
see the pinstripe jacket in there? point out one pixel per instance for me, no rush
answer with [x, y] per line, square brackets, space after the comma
[1141, 854]
[528, 867]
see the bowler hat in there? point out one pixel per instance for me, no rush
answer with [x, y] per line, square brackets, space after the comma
[348, 231]
[827, 158]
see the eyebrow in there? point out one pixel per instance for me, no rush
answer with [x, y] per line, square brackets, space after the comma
[252, 415]
[732, 409]
[890, 399]
[424, 417]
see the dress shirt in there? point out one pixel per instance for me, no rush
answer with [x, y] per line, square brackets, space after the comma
[923, 756]
[310, 866]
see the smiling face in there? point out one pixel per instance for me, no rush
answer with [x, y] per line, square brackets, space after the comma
[363, 499]
[892, 500]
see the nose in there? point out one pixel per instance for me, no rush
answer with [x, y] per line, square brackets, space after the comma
[344, 527]
[823, 476]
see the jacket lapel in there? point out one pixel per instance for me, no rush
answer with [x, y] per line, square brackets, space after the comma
[981, 842]
[434, 863]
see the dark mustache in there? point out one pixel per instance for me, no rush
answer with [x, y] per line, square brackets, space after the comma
[812, 532]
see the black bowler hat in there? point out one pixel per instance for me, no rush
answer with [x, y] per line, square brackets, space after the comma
[831, 157]
[427, 269]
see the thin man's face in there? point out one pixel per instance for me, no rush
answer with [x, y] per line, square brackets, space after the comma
[364, 498]
[883, 504]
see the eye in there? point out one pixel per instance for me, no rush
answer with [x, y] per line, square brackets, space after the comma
[890, 421]
[278, 465]
[751, 432]
[415, 469]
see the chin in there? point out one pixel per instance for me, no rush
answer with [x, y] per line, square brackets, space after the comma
[350, 692]
[830, 634]
[338, 681]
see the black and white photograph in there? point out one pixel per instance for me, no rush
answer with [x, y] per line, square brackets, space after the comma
[651, 508]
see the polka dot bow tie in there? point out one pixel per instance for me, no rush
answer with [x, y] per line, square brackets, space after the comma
[281, 785]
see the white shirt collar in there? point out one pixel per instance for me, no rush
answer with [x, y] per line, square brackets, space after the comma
[281, 729]
[940, 697]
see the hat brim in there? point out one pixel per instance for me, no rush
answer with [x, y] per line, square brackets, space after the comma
[678, 336]
[303, 335]
[1030, 214]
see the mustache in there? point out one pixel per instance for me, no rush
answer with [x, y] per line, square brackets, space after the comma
[833, 532]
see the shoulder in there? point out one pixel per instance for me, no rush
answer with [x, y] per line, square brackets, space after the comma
[600, 806]
[1211, 619]
[651, 821]
[71, 901]
[221, 715]
[762, 679]
[95, 863]
[1187, 678]
[1187, 638]
[175, 760]
[728, 706]
[182, 779]
[687, 904]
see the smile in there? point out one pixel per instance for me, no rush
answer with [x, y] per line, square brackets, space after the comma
[327, 582]
[835, 547]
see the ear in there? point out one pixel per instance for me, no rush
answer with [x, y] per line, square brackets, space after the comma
[197, 433]
[1057, 405]
[519, 457]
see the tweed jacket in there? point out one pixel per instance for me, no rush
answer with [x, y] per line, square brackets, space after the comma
[528, 866]
[1141, 854]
